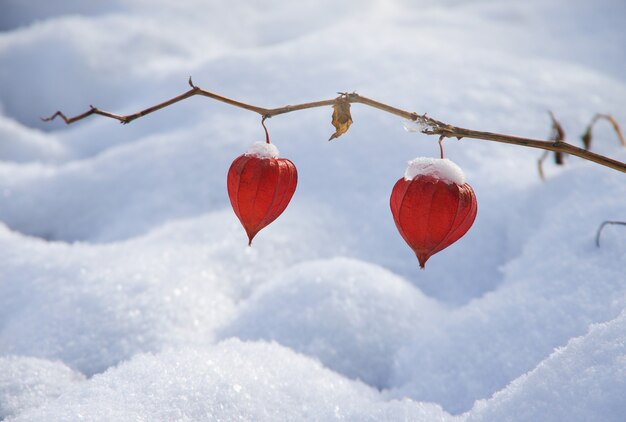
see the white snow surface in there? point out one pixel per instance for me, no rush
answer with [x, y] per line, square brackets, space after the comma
[438, 168]
[263, 150]
[128, 291]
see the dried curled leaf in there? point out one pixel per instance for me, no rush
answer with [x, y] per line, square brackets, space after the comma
[542, 174]
[558, 158]
[587, 137]
[341, 118]
[617, 129]
[558, 134]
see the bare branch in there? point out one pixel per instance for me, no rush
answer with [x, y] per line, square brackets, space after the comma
[431, 126]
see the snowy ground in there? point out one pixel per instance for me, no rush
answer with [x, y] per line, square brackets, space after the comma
[127, 291]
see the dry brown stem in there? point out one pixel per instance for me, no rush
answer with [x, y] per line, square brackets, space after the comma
[429, 125]
[586, 137]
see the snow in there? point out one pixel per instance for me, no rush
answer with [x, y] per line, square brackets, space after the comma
[26, 383]
[322, 309]
[232, 381]
[593, 364]
[263, 150]
[438, 168]
[128, 292]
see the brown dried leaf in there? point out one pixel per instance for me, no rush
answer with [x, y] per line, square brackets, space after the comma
[558, 134]
[341, 118]
[540, 165]
[617, 129]
[558, 158]
[587, 138]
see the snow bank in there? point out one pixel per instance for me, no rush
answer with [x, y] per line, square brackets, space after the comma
[323, 309]
[234, 380]
[121, 259]
[21, 144]
[59, 302]
[594, 366]
[27, 383]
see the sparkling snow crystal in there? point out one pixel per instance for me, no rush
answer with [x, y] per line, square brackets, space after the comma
[263, 150]
[438, 168]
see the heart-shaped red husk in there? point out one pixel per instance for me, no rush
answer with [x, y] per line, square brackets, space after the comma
[260, 189]
[431, 214]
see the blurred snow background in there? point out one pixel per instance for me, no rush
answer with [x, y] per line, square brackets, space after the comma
[127, 291]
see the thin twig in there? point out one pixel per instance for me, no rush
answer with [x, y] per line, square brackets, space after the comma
[621, 223]
[267, 135]
[431, 126]
[441, 138]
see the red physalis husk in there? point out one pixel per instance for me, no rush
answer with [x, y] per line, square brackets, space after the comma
[260, 189]
[431, 214]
